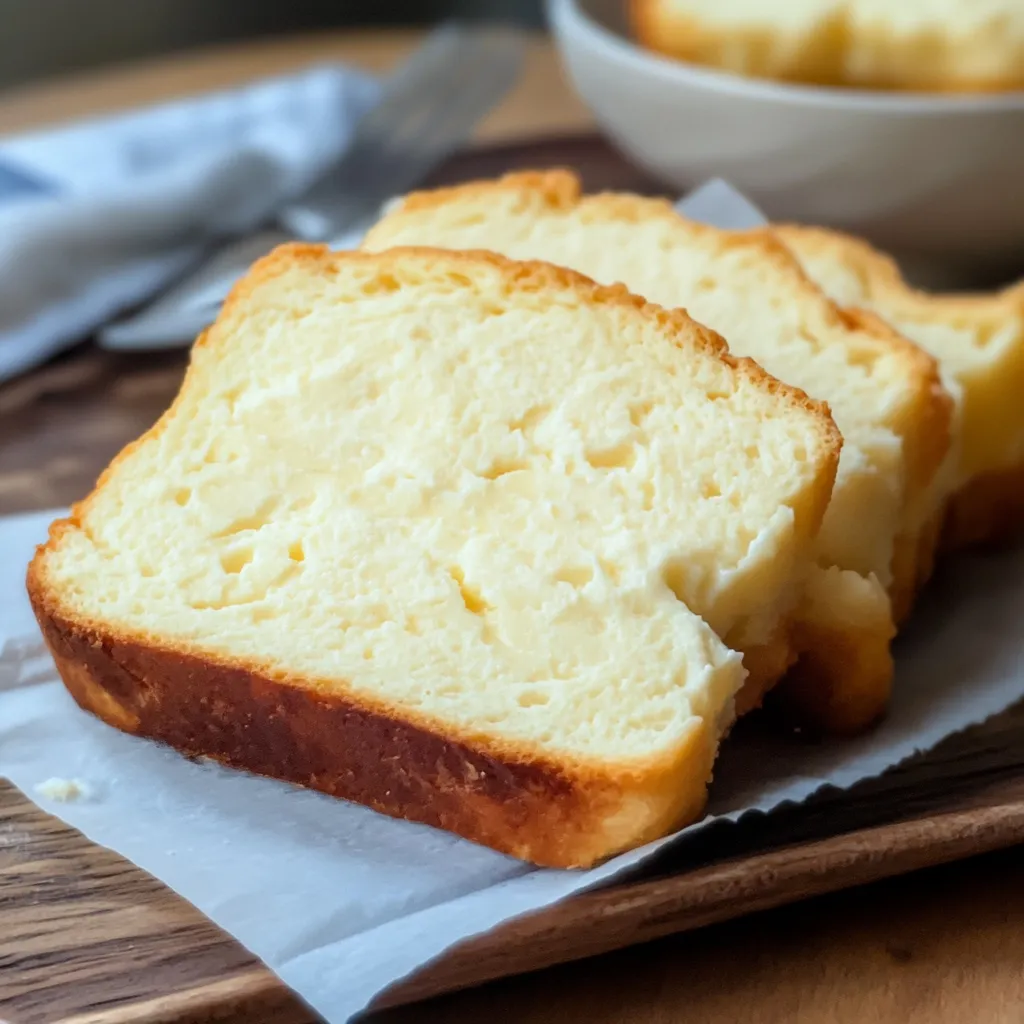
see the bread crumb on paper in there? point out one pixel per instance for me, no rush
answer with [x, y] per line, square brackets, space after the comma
[63, 791]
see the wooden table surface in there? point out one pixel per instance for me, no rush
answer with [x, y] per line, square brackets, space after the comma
[946, 945]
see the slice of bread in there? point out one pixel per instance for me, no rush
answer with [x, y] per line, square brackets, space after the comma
[884, 392]
[979, 343]
[421, 530]
[931, 45]
[795, 41]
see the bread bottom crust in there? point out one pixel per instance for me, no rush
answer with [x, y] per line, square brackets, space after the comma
[532, 809]
[987, 510]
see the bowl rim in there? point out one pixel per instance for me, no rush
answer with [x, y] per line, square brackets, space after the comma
[568, 15]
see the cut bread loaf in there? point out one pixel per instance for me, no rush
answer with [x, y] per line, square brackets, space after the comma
[884, 393]
[929, 45]
[979, 343]
[422, 530]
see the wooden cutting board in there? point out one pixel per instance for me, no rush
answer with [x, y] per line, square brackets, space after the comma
[86, 938]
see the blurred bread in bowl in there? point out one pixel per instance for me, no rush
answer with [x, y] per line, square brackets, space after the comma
[919, 45]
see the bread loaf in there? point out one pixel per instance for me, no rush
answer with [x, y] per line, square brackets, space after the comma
[884, 392]
[424, 530]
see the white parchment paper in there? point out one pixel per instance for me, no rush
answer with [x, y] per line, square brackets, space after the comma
[341, 902]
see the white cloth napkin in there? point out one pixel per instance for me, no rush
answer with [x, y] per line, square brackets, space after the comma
[100, 215]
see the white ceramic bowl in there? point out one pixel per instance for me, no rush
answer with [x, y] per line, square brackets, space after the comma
[939, 178]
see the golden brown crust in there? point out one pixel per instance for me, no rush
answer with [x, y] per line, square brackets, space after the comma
[559, 188]
[642, 16]
[927, 439]
[525, 806]
[927, 432]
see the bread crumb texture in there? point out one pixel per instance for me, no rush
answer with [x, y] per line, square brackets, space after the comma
[460, 510]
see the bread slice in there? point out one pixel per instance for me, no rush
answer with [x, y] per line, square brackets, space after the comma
[935, 45]
[884, 392]
[793, 41]
[422, 530]
[931, 45]
[979, 343]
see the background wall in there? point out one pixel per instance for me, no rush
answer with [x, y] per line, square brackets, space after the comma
[41, 38]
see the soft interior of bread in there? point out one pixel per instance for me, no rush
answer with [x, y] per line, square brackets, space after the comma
[432, 482]
[759, 301]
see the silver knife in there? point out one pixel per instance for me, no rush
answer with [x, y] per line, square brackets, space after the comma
[428, 109]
